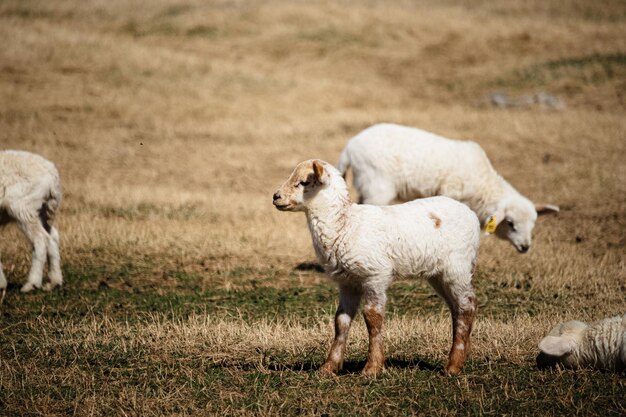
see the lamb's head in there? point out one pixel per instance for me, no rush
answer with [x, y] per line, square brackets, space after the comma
[305, 183]
[560, 346]
[516, 217]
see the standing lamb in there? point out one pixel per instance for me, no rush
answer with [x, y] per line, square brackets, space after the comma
[391, 162]
[574, 344]
[30, 194]
[364, 247]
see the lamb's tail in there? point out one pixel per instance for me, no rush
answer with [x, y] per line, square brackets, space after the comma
[344, 162]
[51, 204]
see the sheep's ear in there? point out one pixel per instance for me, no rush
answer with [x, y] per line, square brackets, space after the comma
[318, 170]
[556, 345]
[546, 208]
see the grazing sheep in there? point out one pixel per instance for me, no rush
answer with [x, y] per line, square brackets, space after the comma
[600, 345]
[30, 194]
[363, 247]
[391, 162]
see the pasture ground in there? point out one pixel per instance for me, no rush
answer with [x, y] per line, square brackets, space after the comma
[187, 293]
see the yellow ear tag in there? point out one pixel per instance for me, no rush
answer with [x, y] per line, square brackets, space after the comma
[491, 225]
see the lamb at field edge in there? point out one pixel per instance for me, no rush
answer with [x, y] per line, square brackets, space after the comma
[30, 195]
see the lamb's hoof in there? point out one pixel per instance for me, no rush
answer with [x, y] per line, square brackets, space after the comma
[49, 286]
[372, 371]
[28, 287]
[328, 369]
[451, 370]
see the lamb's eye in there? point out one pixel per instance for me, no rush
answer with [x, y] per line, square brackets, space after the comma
[511, 224]
[304, 183]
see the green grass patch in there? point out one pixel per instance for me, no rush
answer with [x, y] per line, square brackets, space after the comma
[123, 374]
[127, 290]
[141, 29]
[333, 37]
[570, 74]
[32, 13]
[204, 31]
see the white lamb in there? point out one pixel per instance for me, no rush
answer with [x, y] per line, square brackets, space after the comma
[363, 247]
[600, 345]
[30, 194]
[392, 162]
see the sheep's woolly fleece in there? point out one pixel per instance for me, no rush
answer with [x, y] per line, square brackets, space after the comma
[392, 162]
[575, 344]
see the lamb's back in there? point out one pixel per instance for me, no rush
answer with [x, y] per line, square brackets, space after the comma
[420, 163]
[605, 340]
[421, 235]
[26, 174]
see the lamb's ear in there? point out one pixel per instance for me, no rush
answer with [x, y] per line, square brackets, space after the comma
[556, 345]
[320, 173]
[546, 208]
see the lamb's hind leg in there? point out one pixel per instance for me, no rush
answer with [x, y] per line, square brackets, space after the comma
[348, 305]
[378, 191]
[373, 313]
[459, 296]
[37, 235]
[3, 279]
[623, 348]
[462, 324]
[54, 260]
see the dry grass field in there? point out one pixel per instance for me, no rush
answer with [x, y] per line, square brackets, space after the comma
[187, 293]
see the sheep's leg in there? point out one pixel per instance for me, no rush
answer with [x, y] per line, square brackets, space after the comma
[3, 280]
[462, 322]
[54, 260]
[459, 296]
[463, 311]
[3, 283]
[348, 305]
[37, 235]
[373, 313]
[379, 192]
[623, 347]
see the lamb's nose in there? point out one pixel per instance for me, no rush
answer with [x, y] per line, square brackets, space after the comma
[524, 248]
[276, 196]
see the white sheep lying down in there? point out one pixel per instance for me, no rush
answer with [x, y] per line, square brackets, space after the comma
[30, 195]
[364, 247]
[392, 162]
[574, 344]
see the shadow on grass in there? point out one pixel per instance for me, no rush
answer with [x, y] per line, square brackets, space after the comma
[309, 266]
[355, 367]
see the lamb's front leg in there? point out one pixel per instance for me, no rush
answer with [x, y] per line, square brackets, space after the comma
[349, 300]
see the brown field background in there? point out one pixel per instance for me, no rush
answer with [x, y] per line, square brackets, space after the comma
[173, 122]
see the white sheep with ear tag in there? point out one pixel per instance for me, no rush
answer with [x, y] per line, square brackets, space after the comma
[392, 162]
